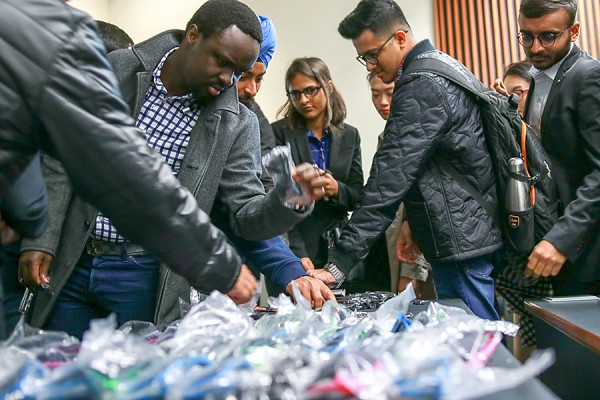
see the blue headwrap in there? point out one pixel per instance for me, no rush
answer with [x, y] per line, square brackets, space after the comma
[267, 47]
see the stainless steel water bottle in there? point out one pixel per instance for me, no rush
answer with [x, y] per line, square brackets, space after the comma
[519, 208]
[518, 196]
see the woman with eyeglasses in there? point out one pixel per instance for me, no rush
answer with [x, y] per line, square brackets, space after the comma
[313, 125]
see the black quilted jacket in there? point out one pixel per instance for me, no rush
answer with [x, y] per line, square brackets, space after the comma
[430, 118]
[58, 92]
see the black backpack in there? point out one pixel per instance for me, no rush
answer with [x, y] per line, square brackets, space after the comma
[506, 136]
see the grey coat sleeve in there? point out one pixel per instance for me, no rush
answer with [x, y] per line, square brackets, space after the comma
[110, 165]
[254, 215]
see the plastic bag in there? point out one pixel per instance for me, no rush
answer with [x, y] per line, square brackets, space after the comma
[393, 309]
[233, 378]
[52, 348]
[114, 354]
[211, 329]
[278, 163]
[144, 329]
[464, 382]
[18, 374]
[69, 381]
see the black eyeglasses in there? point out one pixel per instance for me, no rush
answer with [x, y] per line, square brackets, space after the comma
[370, 57]
[310, 91]
[546, 39]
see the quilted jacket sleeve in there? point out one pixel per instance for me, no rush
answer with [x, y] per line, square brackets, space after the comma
[412, 133]
[254, 216]
[74, 94]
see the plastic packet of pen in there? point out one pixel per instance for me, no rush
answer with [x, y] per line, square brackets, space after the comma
[278, 163]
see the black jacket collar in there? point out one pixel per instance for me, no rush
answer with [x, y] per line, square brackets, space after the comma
[423, 46]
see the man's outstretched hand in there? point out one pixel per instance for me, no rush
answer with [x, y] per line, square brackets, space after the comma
[314, 290]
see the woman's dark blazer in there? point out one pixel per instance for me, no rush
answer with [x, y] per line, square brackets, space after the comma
[308, 238]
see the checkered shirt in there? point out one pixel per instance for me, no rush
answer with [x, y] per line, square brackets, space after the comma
[319, 149]
[167, 122]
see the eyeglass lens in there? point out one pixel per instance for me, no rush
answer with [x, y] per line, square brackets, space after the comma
[546, 39]
[308, 92]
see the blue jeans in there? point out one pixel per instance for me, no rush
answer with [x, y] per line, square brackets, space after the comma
[124, 285]
[471, 281]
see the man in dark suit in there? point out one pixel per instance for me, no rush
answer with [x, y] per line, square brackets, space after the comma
[564, 104]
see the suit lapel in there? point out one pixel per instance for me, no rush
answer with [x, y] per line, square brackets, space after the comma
[336, 157]
[300, 149]
[558, 80]
[528, 101]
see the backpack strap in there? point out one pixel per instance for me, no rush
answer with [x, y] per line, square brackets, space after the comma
[436, 66]
[439, 67]
[524, 155]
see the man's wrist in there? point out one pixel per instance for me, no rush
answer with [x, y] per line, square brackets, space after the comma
[338, 275]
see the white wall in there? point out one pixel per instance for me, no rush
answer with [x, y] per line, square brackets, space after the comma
[96, 8]
[305, 28]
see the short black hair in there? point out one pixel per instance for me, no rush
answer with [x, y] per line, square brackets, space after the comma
[215, 16]
[114, 38]
[379, 16]
[539, 8]
[519, 69]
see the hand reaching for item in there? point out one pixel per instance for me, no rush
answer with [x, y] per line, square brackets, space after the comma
[323, 275]
[307, 264]
[245, 287]
[315, 291]
[311, 178]
[331, 187]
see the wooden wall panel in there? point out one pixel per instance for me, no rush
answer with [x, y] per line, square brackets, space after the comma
[482, 34]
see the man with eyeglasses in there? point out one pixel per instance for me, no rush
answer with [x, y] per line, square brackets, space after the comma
[430, 119]
[180, 86]
[564, 105]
